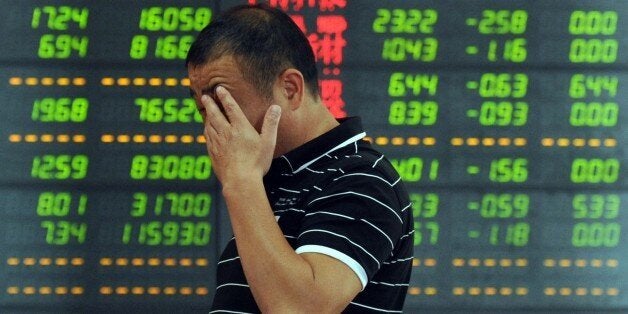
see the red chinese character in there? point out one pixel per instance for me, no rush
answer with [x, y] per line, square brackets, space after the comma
[285, 4]
[330, 5]
[328, 45]
[331, 93]
[300, 21]
[323, 5]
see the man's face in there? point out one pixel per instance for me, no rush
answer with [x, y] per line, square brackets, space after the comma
[225, 72]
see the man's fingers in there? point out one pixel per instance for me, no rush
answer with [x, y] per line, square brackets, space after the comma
[215, 118]
[271, 123]
[231, 107]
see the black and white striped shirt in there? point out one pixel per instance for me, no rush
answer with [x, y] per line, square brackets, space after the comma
[336, 196]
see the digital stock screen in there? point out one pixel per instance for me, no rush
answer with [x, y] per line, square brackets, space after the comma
[507, 120]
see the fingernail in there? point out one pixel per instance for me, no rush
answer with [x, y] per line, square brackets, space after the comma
[204, 98]
[275, 109]
[220, 89]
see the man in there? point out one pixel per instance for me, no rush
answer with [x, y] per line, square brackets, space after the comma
[321, 221]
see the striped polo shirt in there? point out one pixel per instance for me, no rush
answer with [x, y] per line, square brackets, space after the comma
[335, 195]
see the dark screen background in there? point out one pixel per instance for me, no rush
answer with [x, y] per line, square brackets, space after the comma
[506, 119]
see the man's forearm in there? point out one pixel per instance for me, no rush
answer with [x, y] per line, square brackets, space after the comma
[280, 279]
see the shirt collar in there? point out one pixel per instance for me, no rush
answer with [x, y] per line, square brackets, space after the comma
[348, 132]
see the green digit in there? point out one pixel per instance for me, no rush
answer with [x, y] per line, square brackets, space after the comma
[424, 205]
[80, 16]
[186, 17]
[45, 204]
[139, 47]
[579, 205]
[520, 114]
[36, 18]
[62, 109]
[521, 204]
[434, 230]
[170, 20]
[139, 167]
[186, 235]
[202, 17]
[80, 44]
[79, 166]
[174, 203]
[82, 205]
[154, 19]
[202, 168]
[171, 167]
[64, 14]
[62, 233]
[50, 231]
[139, 205]
[202, 232]
[170, 233]
[79, 110]
[126, 233]
[156, 167]
[63, 166]
[186, 205]
[613, 203]
[46, 46]
[155, 112]
[397, 113]
[79, 231]
[170, 110]
[52, 14]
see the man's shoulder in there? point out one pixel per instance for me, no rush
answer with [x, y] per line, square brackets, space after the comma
[362, 158]
[362, 168]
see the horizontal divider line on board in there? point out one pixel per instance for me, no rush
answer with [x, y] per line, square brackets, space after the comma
[379, 140]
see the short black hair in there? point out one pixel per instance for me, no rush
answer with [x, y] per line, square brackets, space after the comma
[264, 42]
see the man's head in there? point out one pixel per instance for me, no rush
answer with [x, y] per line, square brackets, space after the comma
[261, 57]
[262, 41]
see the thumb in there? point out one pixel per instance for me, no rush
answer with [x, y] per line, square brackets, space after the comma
[271, 124]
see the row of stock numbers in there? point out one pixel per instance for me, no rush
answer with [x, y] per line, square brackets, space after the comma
[503, 103]
[406, 26]
[508, 26]
[59, 211]
[59, 167]
[515, 170]
[501, 170]
[168, 110]
[172, 232]
[594, 104]
[170, 167]
[588, 25]
[60, 109]
[505, 214]
[407, 109]
[425, 208]
[595, 217]
[184, 21]
[59, 20]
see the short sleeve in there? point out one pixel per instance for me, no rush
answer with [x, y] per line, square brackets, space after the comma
[356, 219]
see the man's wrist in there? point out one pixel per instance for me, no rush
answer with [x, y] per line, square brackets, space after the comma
[239, 185]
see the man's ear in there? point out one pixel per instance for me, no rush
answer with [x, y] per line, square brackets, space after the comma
[292, 87]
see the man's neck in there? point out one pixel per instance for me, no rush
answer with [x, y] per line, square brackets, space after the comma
[312, 121]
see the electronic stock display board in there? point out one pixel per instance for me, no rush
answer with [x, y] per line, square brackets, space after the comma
[506, 119]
